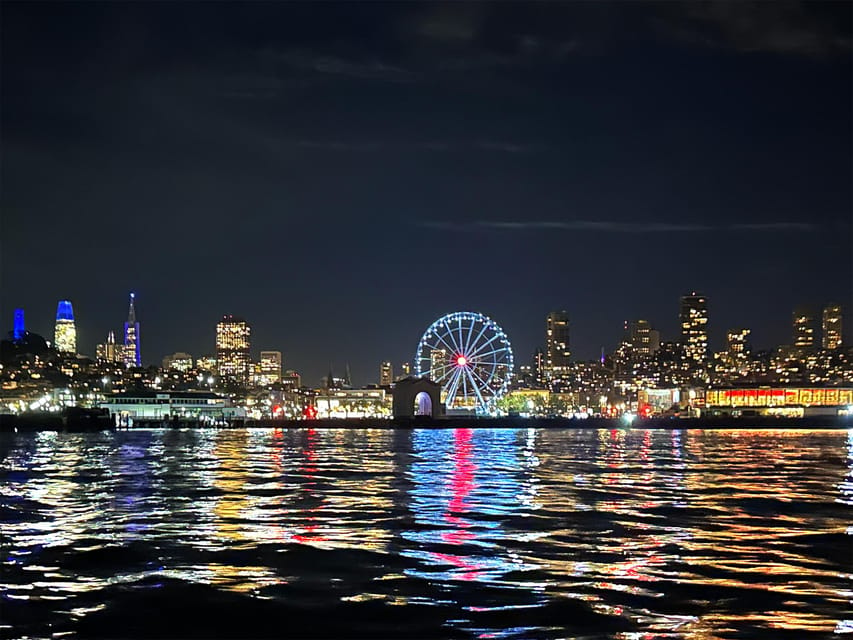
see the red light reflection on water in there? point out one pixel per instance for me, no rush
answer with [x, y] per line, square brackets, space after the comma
[461, 485]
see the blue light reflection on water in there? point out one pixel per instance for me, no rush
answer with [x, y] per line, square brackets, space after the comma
[680, 533]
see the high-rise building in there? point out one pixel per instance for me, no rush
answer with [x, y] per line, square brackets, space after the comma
[107, 351]
[18, 329]
[803, 321]
[437, 364]
[831, 338]
[737, 341]
[693, 317]
[65, 331]
[644, 340]
[131, 353]
[386, 374]
[179, 361]
[233, 342]
[268, 369]
[557, 351]
[537, 368]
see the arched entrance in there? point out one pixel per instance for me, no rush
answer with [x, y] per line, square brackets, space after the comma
[423, 404]
[417, 396]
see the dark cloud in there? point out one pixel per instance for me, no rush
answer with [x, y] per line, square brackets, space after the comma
[812, 29]
[612, 227]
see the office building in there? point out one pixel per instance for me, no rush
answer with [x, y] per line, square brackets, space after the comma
[291, 380]
[644, 340]
[831, 338]
[693, 318]
[107, 351]
[438, 364]
[179, 361]
[65, 331]
[131, 353]
[803, 321]
[268, 369]
[386, 374]
[737, 344]
[206, 363]
[557, 352]
[233, 342]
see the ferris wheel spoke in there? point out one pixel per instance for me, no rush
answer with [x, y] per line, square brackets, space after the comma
[469, 344]
[452, 388]
[461, 341]
[470, 374]
[479, 357]
[485, 344]
[468, 339]
[464, 382]
[486, 383]
[450, 348]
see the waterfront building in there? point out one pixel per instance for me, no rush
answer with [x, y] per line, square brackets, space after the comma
[65, 331]
[233, 343]
[386, 374]
[268, 369]
[161, 405]
[353, 403]
[803, 321]
[789, 401]
[131, 354]
[179, 361]
[831, 337]
[18, 328]
[557, 352]
[693, 318]
[405, 370]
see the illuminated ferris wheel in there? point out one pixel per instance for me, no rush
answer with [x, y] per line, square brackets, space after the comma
[469, 355]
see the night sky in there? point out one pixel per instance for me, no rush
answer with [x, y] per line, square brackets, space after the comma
[342, 175]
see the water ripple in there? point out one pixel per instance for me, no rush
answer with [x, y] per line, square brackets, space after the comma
[431, 533]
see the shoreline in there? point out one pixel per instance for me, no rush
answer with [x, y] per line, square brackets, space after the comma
[53, 422]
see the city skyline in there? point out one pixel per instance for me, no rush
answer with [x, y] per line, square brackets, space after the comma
[341, 175]
[823, 325]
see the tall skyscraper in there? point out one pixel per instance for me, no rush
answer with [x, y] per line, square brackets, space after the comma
[18, 329]
[386, 374]
[693, 317]
[131, 353]
[831, 338]
[557, 351]
[803, 321]
[233, 343]
[65, 331]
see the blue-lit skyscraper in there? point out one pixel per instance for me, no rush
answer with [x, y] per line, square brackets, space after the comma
[18, 329]
[65, 331]
[132, 356]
